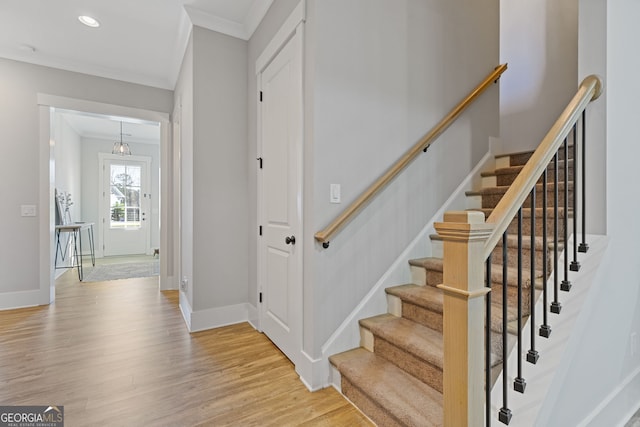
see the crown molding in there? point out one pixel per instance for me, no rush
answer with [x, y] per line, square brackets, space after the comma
[241, 30]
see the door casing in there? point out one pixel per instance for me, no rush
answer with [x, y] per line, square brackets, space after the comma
[104, 160]
[297, 38]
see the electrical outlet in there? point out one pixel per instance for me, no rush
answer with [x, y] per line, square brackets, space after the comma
[28, 210]
[633, 343]
[184, 284]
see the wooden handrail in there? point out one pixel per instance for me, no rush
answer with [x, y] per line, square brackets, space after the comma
[354, 208]
[589, 90]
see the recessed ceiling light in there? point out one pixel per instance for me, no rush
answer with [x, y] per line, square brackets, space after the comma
[89, 21]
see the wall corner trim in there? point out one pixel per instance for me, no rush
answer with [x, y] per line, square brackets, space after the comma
[311, 372]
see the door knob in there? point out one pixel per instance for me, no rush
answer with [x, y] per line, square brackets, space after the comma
[290, 240]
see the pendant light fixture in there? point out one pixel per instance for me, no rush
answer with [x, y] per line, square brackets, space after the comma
[121, 148]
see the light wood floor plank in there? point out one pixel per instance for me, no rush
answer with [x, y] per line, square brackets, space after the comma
[118, 353]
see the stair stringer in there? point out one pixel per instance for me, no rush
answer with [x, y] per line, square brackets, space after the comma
[542, 378]
[347, 336]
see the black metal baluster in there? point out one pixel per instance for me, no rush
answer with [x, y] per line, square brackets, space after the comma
[575, 265]
[566, 284]
[555, 305]
[583, 246]
[545, 329]
[505, 413]
[519, 383]
[532, 354]
[487, 347]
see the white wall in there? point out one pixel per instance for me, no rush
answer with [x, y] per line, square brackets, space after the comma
[379, 75]
[91, 188]
[68, 164]
[592, 48]
[539, 41]
[68, 179]
[601, 385]
[19, 121]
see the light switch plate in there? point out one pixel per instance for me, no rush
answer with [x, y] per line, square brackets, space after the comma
[28, 210]
[334, 193]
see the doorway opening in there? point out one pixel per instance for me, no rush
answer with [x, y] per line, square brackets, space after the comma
[118, 195]
[86, 189]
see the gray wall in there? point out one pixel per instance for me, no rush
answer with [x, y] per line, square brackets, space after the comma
[19, 121]
[213, 93]
[539, 41]
[220, 170]
[379, 75]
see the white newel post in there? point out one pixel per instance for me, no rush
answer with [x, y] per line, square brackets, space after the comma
[464, 235]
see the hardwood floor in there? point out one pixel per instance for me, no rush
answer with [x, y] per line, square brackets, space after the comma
[118, 353]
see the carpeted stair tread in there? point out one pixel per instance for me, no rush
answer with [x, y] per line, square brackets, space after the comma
[515, 169]
[526, 212]
[412, 337]
[428, 297]
[496, 315]
[526, 215]
[431, 298]
[521, 157]
[512, 241]
[517, 158]
[398, 394]
[502, 189]
[427, 262]
[436, 264]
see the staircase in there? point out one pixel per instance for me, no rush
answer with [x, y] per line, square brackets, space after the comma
[396, 376]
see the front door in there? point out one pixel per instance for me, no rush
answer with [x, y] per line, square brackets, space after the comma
[125, 205]
[280, 199]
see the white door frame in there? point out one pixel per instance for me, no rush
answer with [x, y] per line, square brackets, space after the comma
[46, 104]
[102, 207]
[293, 27]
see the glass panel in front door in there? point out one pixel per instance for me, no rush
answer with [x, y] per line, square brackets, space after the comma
[124, 189]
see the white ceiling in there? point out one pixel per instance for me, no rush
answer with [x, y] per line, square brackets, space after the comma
[105, 127]
[139, 41]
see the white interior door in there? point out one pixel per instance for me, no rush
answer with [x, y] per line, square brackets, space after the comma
[125, 205]
[280, 199]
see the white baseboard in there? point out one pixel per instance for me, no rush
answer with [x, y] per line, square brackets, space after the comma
[185, 309]
[219, 316]
[252, 313]
[347, 336]
[211, 318]
[311, 372]
[21, 299]
[619, 406]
